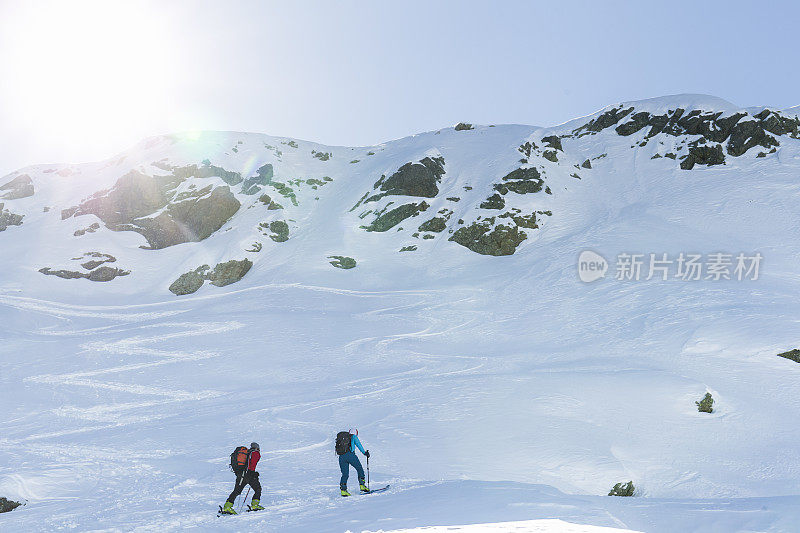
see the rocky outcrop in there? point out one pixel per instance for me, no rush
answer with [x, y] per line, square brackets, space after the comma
[191, 220]
[434, 225]
[136, 197]
[792, 355]
[19, 187]
[485, 238]
[189, 282]
[703, 155]
[412, 179]
[254, 184]
[7, 218]
[100, 274]
[94, 226]
[95, 267]
[7, 505]
[223, 274]
[603, 121]
[390, 219]
[277, 230]
[706, 405]
[269, 202]
[623, 489]
[495, 201]
[229, 272]
[463, 126]
[521, 181]
[343, 262]
[738, 132]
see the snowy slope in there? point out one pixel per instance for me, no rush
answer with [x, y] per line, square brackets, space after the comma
[490, 388]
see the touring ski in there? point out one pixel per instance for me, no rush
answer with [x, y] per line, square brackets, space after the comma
[376, 490]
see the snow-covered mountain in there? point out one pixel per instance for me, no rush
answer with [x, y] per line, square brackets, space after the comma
[202, 290]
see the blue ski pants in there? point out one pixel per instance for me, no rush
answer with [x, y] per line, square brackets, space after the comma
[345, 461]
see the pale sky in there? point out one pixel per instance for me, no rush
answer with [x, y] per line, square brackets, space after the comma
[82, 80]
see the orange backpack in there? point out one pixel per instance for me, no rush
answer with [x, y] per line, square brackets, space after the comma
[239, 459]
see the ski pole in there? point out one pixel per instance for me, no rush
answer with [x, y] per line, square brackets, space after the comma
[241, 506]
[367, 472]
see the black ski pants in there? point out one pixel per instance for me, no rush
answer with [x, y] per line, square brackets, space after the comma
[242, 480]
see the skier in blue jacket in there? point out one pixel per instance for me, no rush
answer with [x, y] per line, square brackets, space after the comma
[346, 444]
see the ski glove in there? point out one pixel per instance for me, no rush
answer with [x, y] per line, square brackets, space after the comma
[366, 454]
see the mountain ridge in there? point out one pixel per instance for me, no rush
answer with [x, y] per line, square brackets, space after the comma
[494, 190]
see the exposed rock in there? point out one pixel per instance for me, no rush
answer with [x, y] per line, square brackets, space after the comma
[463, 126]
[91, 229]
[586, 164]
[271, 205]
[280, 230]
[136, 196]
[207, 170]
[706, 405]
[482, 238]
[521, 181]
[793, 355]
[550, 155]
[413, 179]
[322, 156]
[101, 274]
[453, 199]
[189, 221]
[106, 273]
[606, 120]
[189, 282]
[253, 184]
[703, 155]
[523, 221]
[390, 219]
[66, 274]
[229, 272]
[90, 265]
[285, 191]
[435, 225]
[740, 130]
[7, 218]
[7, 505]
[495, 201]
[341, 261]
[408, 248]
[19, 187]
[553, 141]
[623, 489]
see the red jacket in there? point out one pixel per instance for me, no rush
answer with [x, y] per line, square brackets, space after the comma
[255, 455]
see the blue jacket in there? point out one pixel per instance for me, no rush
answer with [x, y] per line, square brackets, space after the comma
[355, 442]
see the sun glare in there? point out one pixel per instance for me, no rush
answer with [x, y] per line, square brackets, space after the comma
[89, 73]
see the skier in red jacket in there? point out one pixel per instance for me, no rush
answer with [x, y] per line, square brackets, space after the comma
[247, 476]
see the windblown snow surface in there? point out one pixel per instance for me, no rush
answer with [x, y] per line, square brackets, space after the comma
[495, 393]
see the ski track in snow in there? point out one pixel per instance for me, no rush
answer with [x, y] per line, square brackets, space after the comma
[133, 347]
[398, 348]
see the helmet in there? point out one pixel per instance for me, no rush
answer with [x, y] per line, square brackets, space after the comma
[254, 446]
[354, 431]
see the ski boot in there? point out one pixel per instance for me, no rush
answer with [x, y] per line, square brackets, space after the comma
[228, 508]
[255, 505]
[363, 488]
[344, 492]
